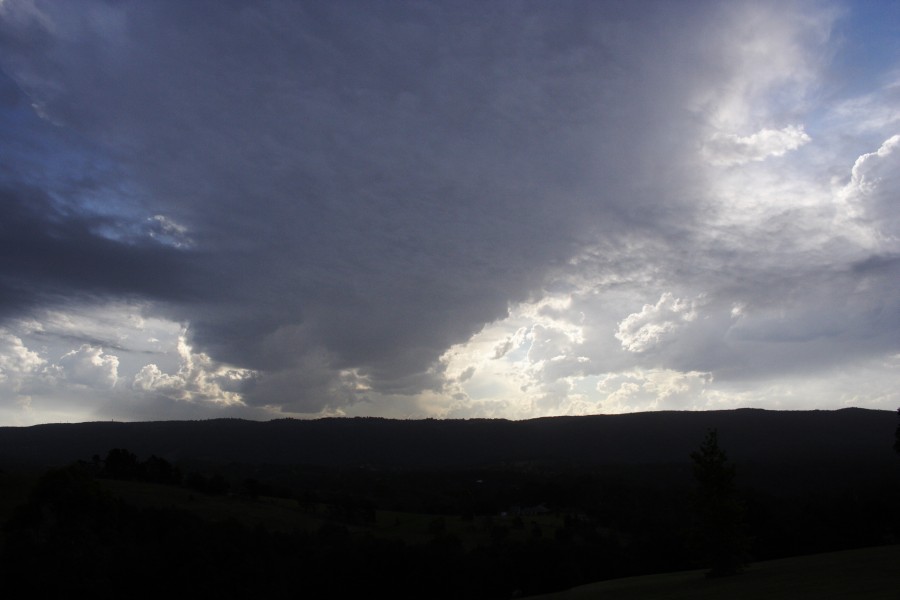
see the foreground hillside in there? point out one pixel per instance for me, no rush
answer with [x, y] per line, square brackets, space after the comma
[439, 509]
[863, 574]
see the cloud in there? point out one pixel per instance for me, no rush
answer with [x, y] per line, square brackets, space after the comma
[763, 63]
[548, 343]
[873, 112]
[655, 323]
[17, 363]
[869, 170]
[167, 231]
[89, 366]
[411, 209]
[199, 379]
[872, 189]
[20, 367]
[53, 255]
[92, 362]
[388, 201]
[151, 378]
[654, 389]
[730, 149]
[467, 374]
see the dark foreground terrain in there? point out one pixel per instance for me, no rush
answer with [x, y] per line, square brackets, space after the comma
[428, 509]
[863, 574]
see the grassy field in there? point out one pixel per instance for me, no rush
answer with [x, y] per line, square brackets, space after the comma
[414, 528]
[282, 514]
[865, 574]
[275, 514]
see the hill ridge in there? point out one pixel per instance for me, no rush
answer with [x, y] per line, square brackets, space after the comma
[632, 438]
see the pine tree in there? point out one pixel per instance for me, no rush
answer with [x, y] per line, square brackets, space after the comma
[897, 435]
[719, 527]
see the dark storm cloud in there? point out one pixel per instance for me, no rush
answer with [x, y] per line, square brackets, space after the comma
[54, 248]
[51, 256]
[345, 189]
[371, 181]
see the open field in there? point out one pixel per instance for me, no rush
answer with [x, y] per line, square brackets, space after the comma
[286, 515]
[864, 574]
[275, 514]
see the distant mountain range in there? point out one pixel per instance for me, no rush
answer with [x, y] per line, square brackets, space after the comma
[750, 436]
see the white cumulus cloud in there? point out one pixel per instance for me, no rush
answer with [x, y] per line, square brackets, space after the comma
[90, 366]
[873, 188]
[655, 323]
[654, 389]
[728, 149]
[199, 378]
[17, 362]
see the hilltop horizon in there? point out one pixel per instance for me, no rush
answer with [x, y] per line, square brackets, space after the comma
[432, 418]
[848, 436]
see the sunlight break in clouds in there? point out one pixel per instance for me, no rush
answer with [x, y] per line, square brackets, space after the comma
[198, 379]
[446, 209]
[109, 375]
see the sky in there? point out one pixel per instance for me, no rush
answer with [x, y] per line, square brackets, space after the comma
[501, 209]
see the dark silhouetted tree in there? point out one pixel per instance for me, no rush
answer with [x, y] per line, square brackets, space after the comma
[897, 435]
[719, 529]
[159, 470]
[120, 464]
